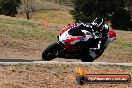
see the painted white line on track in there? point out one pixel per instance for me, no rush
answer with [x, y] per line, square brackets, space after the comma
[74, 63]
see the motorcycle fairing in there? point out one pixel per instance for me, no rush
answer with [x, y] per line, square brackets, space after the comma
[112, 35]
[73, 34]
[67, 28]
[71, 41]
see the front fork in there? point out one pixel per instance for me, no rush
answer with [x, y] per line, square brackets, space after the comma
[61, 48]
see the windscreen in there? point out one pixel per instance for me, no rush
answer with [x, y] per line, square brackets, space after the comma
[76, 31]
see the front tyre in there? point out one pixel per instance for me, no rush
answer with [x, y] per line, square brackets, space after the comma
[50, 52]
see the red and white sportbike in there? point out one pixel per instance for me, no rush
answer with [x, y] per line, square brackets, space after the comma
[75, 42]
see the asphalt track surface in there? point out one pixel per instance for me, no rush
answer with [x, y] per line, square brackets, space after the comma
[21, 61]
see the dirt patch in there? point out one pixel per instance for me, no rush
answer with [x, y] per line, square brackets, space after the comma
[64, 76]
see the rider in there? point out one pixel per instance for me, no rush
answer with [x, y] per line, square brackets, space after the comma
[100, 36]
[100, 27]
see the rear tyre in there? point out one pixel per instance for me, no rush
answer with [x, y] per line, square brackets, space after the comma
[87, 58]
[100, 53]
[50, 52]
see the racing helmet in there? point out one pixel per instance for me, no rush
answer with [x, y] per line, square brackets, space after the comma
[98, 22]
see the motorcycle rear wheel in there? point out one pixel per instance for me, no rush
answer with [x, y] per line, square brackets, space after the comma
[87, 58]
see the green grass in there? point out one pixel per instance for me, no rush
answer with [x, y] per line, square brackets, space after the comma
[15, 22]
[126, 44]
[58, 1]
[51, 16]
[123, 44]
[31, 34]
[16, 33]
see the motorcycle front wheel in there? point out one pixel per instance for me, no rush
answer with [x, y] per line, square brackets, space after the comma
[51, 52]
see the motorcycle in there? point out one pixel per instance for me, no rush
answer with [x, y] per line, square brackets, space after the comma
[69, 46]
